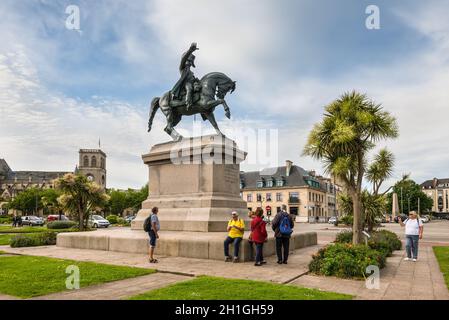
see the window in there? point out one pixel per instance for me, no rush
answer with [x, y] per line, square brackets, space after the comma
[102, 163]
[278, 196]
[103, 180]
[93, 162]
[260, 184]
[270, 183]
[293, 197]
[268, 196]
[278, 209]
[310, 196]
[280, 183]
[249, 197]
[86, 161]
[259, 197]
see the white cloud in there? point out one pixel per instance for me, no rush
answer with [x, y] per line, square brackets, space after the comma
[43, 130]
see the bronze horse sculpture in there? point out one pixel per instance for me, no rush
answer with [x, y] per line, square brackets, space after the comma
[192, 96]
[212, 90]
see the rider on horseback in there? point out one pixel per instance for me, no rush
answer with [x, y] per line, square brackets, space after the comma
[188, 79]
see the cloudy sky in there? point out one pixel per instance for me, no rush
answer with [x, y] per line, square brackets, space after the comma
[61, 89]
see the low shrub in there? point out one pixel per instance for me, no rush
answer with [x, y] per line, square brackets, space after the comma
[121, 221]
[112, 218]
[344, 237]
[345, 260]
[5, 219]
[347, 220]
[61, 224]
[384, 241]
[33, 240]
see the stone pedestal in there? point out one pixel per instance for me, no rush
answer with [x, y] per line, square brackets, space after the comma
[195, 184]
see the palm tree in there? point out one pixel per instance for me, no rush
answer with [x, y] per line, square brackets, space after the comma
[350, 128]
[80, 196]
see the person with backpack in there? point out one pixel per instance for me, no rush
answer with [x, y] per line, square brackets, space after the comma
[282, 226]
[258, 235]
[413, 232]
[152, 226]
[236, 228]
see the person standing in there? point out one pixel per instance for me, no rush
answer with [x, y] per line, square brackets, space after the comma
[152, 226]
[413, 232]
[236, 228]
[259, 235]
[282, 226]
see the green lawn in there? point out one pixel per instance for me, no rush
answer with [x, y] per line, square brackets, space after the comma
[213, 288]
[5, 239]
[26, 276]
[442, 254]
[27, 229]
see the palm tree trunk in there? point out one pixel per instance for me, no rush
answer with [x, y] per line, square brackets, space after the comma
[356, 206]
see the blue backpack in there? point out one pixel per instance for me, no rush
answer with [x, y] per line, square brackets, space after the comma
[284, 227]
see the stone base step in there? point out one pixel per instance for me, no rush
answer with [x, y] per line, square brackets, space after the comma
[201, 245]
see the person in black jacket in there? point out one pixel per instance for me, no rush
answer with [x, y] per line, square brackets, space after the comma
[282, 240]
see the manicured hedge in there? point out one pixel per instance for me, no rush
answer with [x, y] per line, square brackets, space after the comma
[61, 224]
[112, 218]
[345, 260]
[33, 240]
[383, 240]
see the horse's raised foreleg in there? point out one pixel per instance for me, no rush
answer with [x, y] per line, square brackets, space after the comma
[214, 103]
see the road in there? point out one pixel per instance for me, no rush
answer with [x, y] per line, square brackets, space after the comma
[435, 232]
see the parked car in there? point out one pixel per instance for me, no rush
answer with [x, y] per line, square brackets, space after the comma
[97, 221]
[332, 220]
[55, 217]
[129, 218]
[425, 219]
[32, 221]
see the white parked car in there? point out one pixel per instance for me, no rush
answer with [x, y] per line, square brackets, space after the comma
[332, 220]
[97, 221]
[425, 219]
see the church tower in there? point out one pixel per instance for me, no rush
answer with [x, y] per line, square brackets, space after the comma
[92, 164]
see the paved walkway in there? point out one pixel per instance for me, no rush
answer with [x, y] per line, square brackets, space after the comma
[399, 280]
[118, 290]
[297, 266]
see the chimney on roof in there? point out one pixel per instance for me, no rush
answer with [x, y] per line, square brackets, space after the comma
[435, 183]
[288, 167]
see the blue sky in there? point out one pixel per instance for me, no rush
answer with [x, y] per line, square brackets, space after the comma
[62, 89]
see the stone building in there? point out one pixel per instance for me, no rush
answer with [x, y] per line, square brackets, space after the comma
[438, 191]
[92, 163]
[308, 196]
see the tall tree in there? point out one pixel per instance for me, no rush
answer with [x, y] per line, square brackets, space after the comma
[411, 192]
[80, 197]
[350, 128]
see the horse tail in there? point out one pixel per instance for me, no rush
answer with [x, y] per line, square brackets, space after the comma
[153, 109]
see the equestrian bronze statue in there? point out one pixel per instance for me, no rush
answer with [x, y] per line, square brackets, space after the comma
[192, 96]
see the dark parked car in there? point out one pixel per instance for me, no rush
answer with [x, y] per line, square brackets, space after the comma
[32, 221]
[55, 217]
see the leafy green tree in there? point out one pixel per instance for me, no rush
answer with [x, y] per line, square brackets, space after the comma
[28, 201]
[124, 199]
[80, 197]
[350, 128]
[49, 198]
[411, 192]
